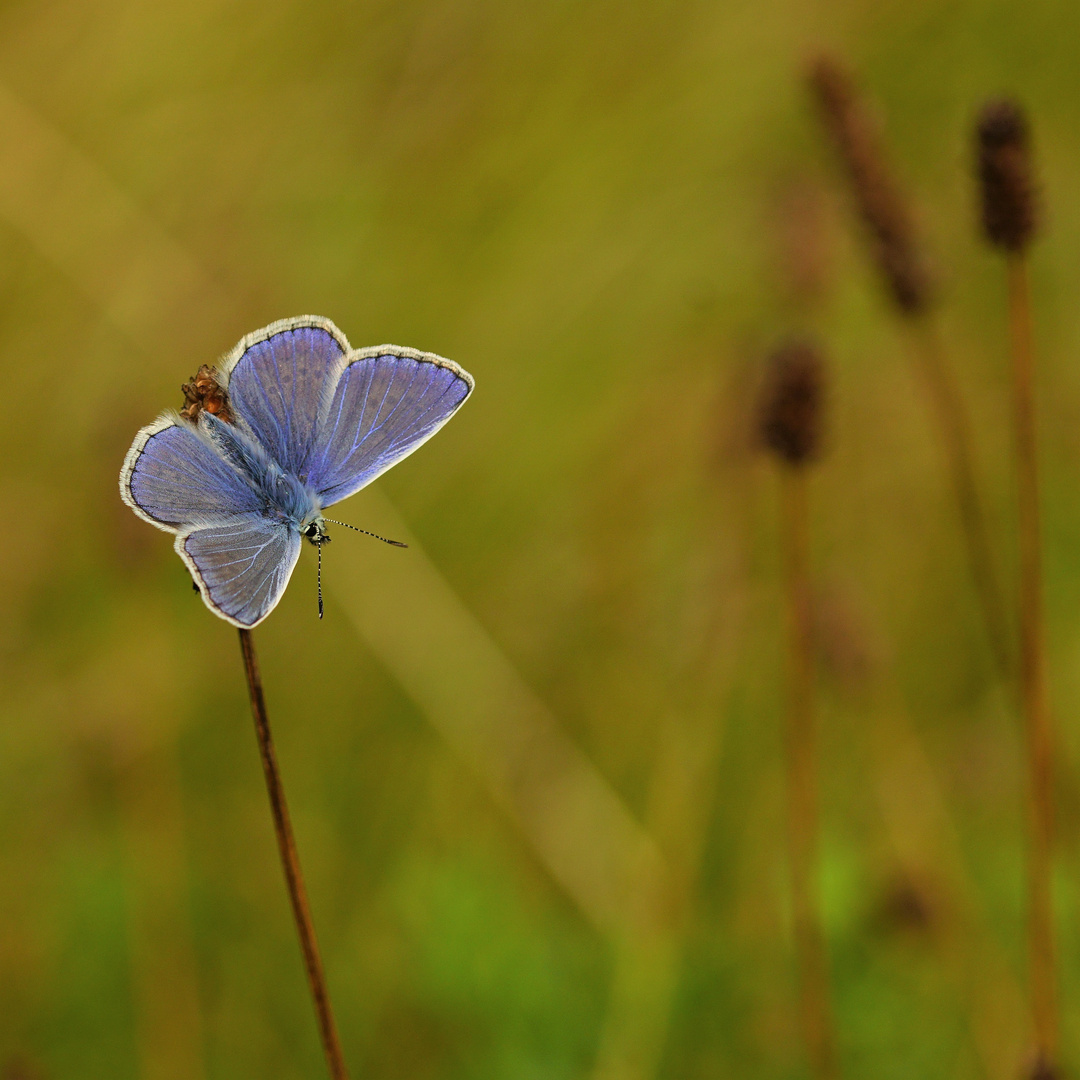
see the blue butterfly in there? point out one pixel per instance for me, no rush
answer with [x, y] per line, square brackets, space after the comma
[293, 421]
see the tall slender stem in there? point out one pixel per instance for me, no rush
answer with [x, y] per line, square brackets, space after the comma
[801, 778]
[290, 862]
[1032, 673]
[895, 249]
[944, 401]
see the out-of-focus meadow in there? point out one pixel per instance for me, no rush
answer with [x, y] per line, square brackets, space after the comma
[534, 762]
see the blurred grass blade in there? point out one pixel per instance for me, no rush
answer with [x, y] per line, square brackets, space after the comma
[84, 223]
[170, 1023]
[682, 785]
[447, 663]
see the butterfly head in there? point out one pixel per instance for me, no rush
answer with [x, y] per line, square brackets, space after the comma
[315, 531]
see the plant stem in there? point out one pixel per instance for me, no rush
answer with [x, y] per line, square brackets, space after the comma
[290, 861]
[801, 778]
[943, 398]
[1032, 674]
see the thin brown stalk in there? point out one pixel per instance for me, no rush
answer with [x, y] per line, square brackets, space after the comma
[1010, 216]
[815, 1010]
[290, 862]
[944, 402]
[1032, 674]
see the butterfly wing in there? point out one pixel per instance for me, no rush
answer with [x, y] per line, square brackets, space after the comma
[176, 480]
[241, 567]
[388, 401]
[280, 381]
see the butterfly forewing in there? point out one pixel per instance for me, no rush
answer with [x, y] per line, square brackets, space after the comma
[281, 380]
[175, 479]
[241, 568]
[384, 407]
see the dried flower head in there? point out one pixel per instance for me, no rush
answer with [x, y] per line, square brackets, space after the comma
[908, 905]
[204, 392]
[1043, 1070]
[882, 208]
[1005, 175]
[791, 405]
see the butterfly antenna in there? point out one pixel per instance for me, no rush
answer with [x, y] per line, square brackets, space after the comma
[319, 546]
[395, 543]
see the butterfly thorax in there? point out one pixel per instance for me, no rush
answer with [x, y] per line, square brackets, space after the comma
[286, 499]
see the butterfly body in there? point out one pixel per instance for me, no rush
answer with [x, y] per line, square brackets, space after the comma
[285, 499]
[299, 421]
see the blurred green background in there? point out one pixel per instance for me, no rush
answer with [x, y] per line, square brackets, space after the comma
[535, 761]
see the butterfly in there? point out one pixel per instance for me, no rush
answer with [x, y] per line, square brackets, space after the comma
[292, 421]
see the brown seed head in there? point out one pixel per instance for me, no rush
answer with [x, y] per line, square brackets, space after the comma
[1042, 1070]
[1005, 175]
[791, 405]
[907, 906]
[205, 393]
[883, 210]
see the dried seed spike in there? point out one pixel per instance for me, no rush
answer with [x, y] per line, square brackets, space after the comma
[909, 906]
[791, 405]
[1043, 1070]
[877, 196]
[205, 393]
[1005, 175]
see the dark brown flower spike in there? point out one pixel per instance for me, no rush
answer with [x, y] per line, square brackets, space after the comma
[1005, 175]
[877, 196]
[790, 422]
[791, 404]
[1009, 213]
[205, 393]
[1043, 1070]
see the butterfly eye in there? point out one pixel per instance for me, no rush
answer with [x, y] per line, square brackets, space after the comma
[315, 531]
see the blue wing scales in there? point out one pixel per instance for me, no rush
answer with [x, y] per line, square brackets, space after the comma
[174, 479]
[387, 402]
[280, 380]
[241, 567]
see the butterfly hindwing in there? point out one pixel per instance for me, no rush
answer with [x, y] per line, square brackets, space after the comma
[387, 402]
[241, 567]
